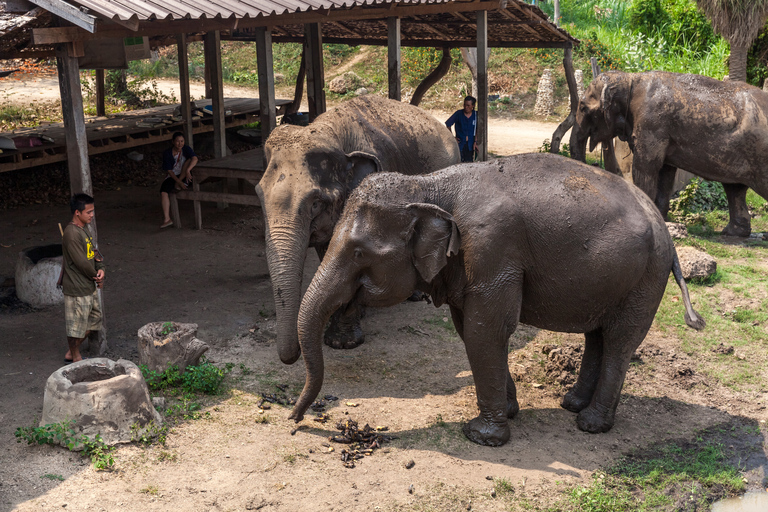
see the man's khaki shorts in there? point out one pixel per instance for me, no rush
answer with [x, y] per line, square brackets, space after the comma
[82, 314]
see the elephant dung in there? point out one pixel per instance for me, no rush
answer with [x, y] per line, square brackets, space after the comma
[695, 263]
[677, 231]
[101, 397]
[179, 348]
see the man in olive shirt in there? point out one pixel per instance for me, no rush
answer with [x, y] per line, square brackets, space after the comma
[83, 274]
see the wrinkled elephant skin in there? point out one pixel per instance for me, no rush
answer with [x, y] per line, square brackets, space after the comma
[512, 240]
[716, 130]
[310, 172]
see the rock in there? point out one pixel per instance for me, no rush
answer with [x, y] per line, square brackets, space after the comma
[409, 464]
[695, 263]
[177, 348]
[677, 231]
[361, 91]
[135, 156]
[545, 98]
[102, 397]
[345, 83]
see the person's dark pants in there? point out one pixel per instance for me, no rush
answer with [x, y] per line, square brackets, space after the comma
[467, 154]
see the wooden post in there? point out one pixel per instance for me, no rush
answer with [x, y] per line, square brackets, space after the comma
[315, 73]
[207, 69]
[77, 145]
[567, 124]
[482, 85]
[393, 60]
[101, 111]
[186, 105]
[595, 67]
[213, 59]
[267, 110]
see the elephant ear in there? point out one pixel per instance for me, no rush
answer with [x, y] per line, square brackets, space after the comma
[433, 236]
[359, 165]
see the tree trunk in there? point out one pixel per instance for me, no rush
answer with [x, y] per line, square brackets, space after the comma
[737, 67]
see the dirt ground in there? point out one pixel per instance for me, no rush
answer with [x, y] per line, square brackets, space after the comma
[411, 376]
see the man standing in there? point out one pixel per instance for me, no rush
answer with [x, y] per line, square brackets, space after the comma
[466, 128]
[83, 274]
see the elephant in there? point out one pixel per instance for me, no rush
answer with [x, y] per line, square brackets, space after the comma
[716, 130]
[309, 174]
[536, 238]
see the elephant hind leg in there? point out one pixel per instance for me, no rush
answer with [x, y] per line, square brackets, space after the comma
[664, 189]
[344, 330]
[739, 223]
[513, 407]
[580, 395]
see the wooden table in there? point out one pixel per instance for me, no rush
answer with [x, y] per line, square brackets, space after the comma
[247, 166]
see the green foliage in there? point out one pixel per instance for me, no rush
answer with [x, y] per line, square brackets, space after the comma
[167, 328]
[205, 378]
[757, 59]
[592, 47]
[698, 197]
[64, 434]
[149, 433]
[417, 63]
[646, 15]
[546, 147]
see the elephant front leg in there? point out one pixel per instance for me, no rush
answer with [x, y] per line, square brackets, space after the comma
[740, 222]
[344, 330]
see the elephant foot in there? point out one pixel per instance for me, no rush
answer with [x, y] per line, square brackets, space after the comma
[512, 408]
[737, 229]
[573, 402]
[486, 433]
[595, 419]
[344, 336]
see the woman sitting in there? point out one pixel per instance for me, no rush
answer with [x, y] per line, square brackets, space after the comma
[178, 161]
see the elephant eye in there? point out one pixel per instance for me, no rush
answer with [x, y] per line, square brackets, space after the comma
[358, 253]
[316, 207]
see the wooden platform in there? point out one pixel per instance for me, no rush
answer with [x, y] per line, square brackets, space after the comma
[121, 131]
[247, 166]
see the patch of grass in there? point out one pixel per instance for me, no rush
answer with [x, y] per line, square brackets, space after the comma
[205, 378]
[443, 321]
[52, 476]
[503, 487]
[439, 434]
[152, 490]
[166, 456]
[149, 433]
[64, 434]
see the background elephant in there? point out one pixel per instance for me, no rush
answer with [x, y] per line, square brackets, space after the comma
[502, 242]
[310, 172]
[716, 130]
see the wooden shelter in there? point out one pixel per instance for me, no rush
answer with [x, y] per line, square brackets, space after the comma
[78, 31]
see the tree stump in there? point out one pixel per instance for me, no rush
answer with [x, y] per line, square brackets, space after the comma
[164, 344]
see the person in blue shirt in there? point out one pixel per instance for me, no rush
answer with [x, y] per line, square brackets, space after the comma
[466, 128]
[178, 161]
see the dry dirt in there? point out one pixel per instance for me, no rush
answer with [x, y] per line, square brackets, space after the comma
[410, 376]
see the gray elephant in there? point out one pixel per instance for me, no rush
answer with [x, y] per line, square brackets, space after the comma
[311, 171]
[717, 130]
[538, 238]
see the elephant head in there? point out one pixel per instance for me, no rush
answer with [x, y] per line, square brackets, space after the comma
[378, 255]
[603, 113]
[302, 194]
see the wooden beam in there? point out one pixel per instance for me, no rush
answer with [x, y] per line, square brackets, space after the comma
[393, 58]
[77, 144]
[482, 85]
[344, 26]
[100, 96]
[56, 35]
[546, 24]
[315, 71]
[428, 43]
[207, 66]
[429, 28]
[69, 13]
[184, 91]
[267, 111]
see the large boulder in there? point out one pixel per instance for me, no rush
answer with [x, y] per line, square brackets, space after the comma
[695, 263]
[37, 275]
[164, 344]
[344, 83]
[677, 230]
[102, 397]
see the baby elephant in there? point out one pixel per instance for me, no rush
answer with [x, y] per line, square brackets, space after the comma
[538, 238]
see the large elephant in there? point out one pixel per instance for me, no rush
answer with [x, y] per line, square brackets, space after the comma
[717, 130]
[538, 238]
[310, 172]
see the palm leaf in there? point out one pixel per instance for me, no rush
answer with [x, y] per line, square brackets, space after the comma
[738, 21]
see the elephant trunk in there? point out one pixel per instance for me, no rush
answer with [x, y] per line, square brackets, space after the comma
[286, 251]
[579, 143]
[324, 296]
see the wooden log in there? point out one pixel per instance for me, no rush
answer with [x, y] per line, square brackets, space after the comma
[567, 124]
[186, 97]
[100, 106]
[315, 72]
[393, 58]
[433, 77]
[482, 85]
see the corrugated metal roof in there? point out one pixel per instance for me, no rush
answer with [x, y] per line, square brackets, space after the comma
[123, 10]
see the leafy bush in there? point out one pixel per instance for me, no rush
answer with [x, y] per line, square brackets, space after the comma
[645, 16]
[698, 197]
[204, 378]
[64, 434]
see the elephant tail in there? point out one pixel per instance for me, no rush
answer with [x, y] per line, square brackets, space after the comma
[692, 317]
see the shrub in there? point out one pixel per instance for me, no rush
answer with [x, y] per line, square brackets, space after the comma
[64, 434]
[698, 197]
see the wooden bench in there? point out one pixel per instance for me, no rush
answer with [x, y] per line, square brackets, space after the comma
[247, 166]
